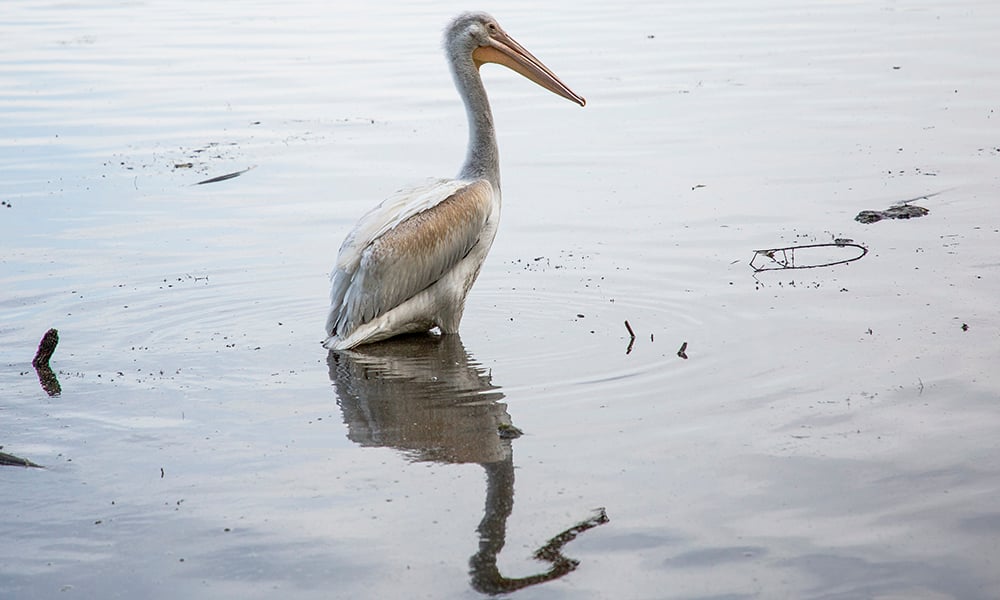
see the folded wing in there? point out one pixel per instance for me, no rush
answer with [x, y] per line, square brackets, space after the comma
[404, 246]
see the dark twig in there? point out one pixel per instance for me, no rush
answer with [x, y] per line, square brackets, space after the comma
[631, 340]
[784, 258]
[224, 177]
[683, 351]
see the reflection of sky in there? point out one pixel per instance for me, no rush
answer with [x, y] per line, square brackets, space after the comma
[155, 67]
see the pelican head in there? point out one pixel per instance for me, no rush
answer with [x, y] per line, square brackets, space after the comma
[479, 36]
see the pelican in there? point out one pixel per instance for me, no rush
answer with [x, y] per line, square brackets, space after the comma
[409, 263]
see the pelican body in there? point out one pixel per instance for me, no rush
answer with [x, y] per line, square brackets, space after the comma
[409, 263]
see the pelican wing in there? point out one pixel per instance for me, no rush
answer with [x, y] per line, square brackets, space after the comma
[403, 246]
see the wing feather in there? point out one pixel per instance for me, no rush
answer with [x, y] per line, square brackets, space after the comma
[403, 246]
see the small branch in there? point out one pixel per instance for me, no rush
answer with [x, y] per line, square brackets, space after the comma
[46, 377]
[631, 340]
[784, 258]
[224, 177]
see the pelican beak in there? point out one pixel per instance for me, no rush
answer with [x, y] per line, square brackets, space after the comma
[503, 50]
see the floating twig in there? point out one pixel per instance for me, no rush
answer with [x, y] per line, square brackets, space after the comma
[784, 258]
[224, 177]
[631, 340]
[683, 351]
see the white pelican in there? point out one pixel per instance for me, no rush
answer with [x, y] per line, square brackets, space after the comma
[408, 264]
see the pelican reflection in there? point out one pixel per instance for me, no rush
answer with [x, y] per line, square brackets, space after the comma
[426, 397]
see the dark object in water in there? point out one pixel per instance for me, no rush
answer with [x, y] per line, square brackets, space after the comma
[224, 177]
[784, 258]
[46, 377]
[9, 460]
[45, 348]
[900, 211]
[631, 340]
[683, 351]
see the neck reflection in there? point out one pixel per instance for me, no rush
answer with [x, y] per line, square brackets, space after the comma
[426, 397]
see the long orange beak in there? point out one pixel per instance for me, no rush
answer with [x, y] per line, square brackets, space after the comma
[503, 50]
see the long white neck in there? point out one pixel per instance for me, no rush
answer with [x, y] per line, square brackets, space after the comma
[483, 158]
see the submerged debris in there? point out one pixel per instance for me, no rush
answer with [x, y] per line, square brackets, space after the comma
[904, 209]
[784, 258]
[899, 211]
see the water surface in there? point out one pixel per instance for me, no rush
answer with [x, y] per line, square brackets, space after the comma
[832, 433]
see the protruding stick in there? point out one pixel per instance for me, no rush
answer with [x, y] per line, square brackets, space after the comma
[45, 348]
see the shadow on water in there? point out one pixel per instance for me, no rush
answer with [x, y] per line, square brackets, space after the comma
[426, 397]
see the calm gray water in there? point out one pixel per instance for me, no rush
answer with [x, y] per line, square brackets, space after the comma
[832, 433]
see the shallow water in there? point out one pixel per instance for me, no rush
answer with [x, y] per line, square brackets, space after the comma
[832, 433]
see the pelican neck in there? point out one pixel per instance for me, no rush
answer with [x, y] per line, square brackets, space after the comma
[482, 159]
